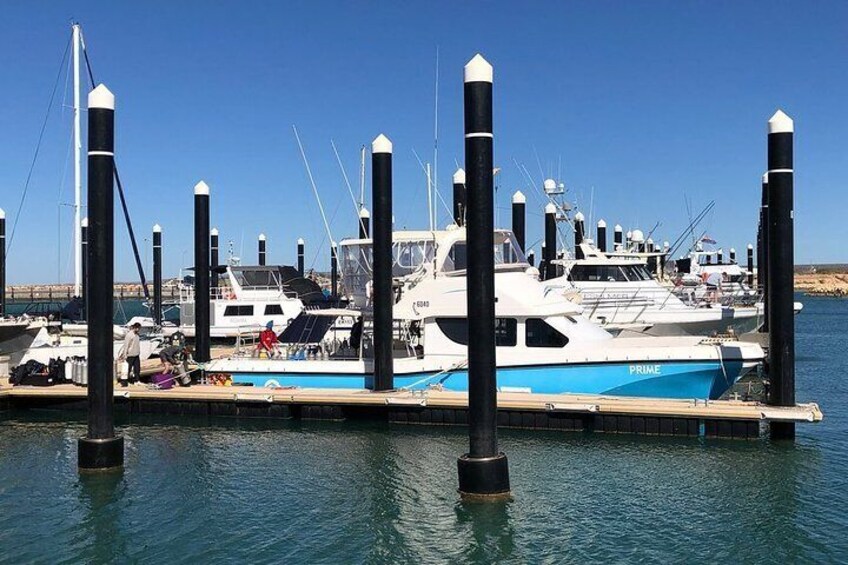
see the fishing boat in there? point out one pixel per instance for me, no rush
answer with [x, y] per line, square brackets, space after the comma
[246, 299]
[544, 342]
[619, 293]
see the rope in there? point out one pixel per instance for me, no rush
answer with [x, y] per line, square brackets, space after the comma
[459, 365]
[37, 148]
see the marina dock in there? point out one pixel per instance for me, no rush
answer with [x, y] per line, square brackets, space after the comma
[735, 419]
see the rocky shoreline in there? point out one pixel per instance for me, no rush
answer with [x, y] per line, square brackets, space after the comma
[822, 284]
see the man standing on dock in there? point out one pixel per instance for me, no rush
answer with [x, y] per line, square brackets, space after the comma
[131, 351]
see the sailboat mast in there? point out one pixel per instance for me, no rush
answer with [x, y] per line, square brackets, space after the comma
[77, 166]
[362, 178]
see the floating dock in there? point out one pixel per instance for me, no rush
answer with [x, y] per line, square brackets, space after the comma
[563, 412]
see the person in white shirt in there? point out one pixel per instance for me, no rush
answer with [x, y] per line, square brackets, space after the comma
[131, 351]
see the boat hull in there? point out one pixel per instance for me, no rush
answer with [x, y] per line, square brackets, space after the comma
[670, 379]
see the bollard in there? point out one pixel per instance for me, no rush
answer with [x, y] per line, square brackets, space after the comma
[383, 301]
[101, 449]
[579, 234]
[157, 275]
[519, 214]
[483, 471]
[549, 247]
[300, 255]
[602, 236]
[261, 249]
[364, 223]
[201, 272]
[459, 197]
[781, 266]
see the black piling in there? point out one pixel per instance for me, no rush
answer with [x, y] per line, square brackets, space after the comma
[84, 266]
[720, 257]
[750, 265]
[579, 234]
[602, 236]
[549, 249]
[519, 217]
[459, 197]
[213, 257]
[262, 249]
[732, 256]
[334, 271]
[531, 258]
[2, 263]
[101, 449]
[617, 238]
[201, 273]
[157, 275]
[300, 255]
[483, 471]
[781, 269]
[364, 223]
[762, 268]
[383, 301]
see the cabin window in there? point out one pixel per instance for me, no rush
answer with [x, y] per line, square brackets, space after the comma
[597, 273]
[273, 310]
[240, 310]
[457, 259]
[456, 330]
[506, 334]
[539, 333]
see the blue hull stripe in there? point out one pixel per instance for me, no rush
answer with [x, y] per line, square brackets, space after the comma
[700, 379]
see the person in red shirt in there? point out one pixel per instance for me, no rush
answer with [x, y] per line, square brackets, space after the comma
[268, 341]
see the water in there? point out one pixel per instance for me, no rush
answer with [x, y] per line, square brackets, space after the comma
[316, 492]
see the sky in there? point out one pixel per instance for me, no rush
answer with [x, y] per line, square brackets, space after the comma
[635, 106]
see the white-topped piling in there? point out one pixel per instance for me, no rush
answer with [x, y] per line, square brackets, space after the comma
[601, 236]
[459, 197]
[202, 343]
[519, 214]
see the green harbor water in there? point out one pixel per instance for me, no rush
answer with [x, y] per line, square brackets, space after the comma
[217, 490]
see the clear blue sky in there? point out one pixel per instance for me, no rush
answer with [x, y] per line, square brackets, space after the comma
[642, 101]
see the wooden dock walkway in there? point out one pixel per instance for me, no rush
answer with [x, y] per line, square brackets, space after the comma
[569, 412]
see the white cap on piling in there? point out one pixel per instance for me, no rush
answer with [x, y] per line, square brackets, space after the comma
[300, 241]
[617, 227]
[84, 222]
[666, 245]
[550, 208]
[101, 97]
[780, 123]
[602, 223]
[333, 244]
[381, 144]
[478, 69]
[261, 237]
[733, 250]
[750, 246]
[650, 241]
[364, 213]
[765, 178]
[157, 228]
[213, 231]
[629, 234]
[459, 176]
[549, 185]
[2, 214]
[579, 217]
[519, 198]
[201, 189]
[637, 236]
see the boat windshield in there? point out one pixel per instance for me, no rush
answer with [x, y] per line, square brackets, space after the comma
[506, 250]
[257, 279]
[407, 258]
[608, 273]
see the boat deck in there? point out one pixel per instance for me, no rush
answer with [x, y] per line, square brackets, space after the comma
[575, 412]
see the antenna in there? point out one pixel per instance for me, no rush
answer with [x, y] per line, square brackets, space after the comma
[435, 145]
[356, 209]
[362, 176]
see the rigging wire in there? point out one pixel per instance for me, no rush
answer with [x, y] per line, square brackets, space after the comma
[356, 208]
[312, 182]
[37, 149]
[121, 195]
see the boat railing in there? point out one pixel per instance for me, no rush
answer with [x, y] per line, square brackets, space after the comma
[244, 295]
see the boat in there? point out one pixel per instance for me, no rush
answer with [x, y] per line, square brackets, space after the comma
[619, 293]
[53, 342]
[545, 344]
[246, 299]
[17, 334]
